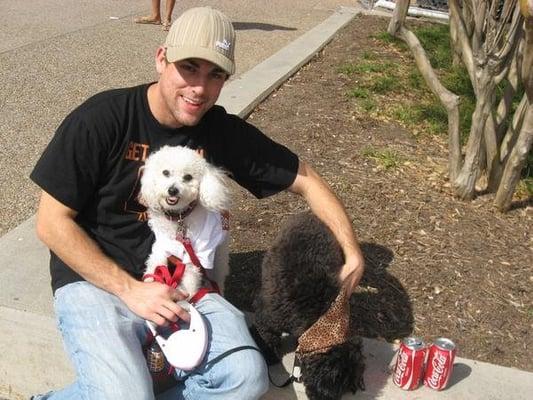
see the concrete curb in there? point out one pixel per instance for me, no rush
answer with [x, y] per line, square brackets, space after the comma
[243, 94]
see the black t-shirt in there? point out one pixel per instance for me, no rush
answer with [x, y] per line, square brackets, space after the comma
[92, 166]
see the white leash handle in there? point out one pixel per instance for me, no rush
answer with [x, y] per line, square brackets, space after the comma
[184, 349]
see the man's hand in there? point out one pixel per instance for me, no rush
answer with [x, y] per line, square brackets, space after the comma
[155, 301]
[351, 273]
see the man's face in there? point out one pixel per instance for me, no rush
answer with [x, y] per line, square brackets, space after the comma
[187, 89]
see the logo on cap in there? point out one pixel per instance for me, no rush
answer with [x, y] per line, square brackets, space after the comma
[224, 45]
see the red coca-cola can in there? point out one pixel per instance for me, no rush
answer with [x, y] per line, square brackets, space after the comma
[409, 368]
[440, 363]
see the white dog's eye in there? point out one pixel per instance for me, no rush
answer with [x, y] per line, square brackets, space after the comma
[187, 177]
[166, 172]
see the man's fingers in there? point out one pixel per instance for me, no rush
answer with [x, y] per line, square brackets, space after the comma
[158, 320]
[177, 311]
[177, 295]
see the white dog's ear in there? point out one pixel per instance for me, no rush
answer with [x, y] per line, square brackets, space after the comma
[214, 190]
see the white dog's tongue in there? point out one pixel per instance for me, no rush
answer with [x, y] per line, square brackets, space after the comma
[172, 200]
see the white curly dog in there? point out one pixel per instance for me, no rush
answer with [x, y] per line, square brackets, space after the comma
[187, 200]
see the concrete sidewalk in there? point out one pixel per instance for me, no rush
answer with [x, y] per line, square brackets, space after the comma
[33, 361]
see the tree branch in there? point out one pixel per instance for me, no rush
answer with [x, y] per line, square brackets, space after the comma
[463, 39]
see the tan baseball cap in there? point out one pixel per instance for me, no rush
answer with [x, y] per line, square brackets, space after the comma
[202, 32]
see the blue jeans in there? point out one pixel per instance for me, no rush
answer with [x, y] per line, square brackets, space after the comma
[103, 339]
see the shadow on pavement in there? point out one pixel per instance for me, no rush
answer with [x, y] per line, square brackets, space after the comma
[380, 306]
[459, 373]
[242, 26]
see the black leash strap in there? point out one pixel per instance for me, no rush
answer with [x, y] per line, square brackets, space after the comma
[228, 352]
[221, 356]
[296, 375]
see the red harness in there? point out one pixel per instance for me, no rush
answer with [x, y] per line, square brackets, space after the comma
[162, 273]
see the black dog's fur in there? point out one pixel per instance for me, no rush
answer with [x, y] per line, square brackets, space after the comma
[299, 283]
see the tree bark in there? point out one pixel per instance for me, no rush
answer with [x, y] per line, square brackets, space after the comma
[516, 162]
[463, 39]
[513, 130]
[527, 62]
[465, 183]
[398, 17]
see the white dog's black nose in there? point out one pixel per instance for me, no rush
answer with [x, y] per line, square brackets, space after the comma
[173, 191]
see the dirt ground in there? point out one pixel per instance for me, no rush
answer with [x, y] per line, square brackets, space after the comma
[435, 266]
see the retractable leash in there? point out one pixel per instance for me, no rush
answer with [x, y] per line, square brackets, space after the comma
[185, 348]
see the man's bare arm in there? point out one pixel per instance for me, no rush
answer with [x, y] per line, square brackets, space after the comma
[327, 207]
[57, 228]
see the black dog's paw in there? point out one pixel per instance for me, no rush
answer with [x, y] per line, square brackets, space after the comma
[270, 356]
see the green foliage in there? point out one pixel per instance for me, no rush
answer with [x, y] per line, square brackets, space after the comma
[385, 37]
[385, 83]
[433, 115]
[368, 55]
[415, 79]
[368, 104]
[525, 187]
[359, 93]
[435, 40]
[386, 158]
[456, 80]
[365, 67]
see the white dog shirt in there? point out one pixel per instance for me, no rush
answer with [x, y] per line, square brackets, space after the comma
[205, 232]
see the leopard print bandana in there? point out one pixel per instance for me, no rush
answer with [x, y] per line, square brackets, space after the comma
[329, 330]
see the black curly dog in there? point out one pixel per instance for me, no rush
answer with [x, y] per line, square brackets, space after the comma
[299, 283]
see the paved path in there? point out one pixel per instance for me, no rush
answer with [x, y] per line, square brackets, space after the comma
[64, 61]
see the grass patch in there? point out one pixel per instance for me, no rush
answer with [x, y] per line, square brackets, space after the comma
[456, 80]
[415, 79]
[365, 67]
[435, 39]
[436, 117]
[430, 115]
[385, 37]
[386, 158]
[384, 84]
[525, 187]
[368, 55]
[359, 93]
[368, 104]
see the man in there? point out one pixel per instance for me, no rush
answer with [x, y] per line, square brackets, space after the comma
[90, 219]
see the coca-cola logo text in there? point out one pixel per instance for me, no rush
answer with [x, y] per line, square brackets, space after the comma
[438, 363]
[401, 366]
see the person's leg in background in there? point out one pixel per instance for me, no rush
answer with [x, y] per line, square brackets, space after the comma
[167, 21]
[154, 17]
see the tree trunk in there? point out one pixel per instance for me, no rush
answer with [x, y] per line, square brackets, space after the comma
[466, 181]
[398, 17]
[515, 164]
